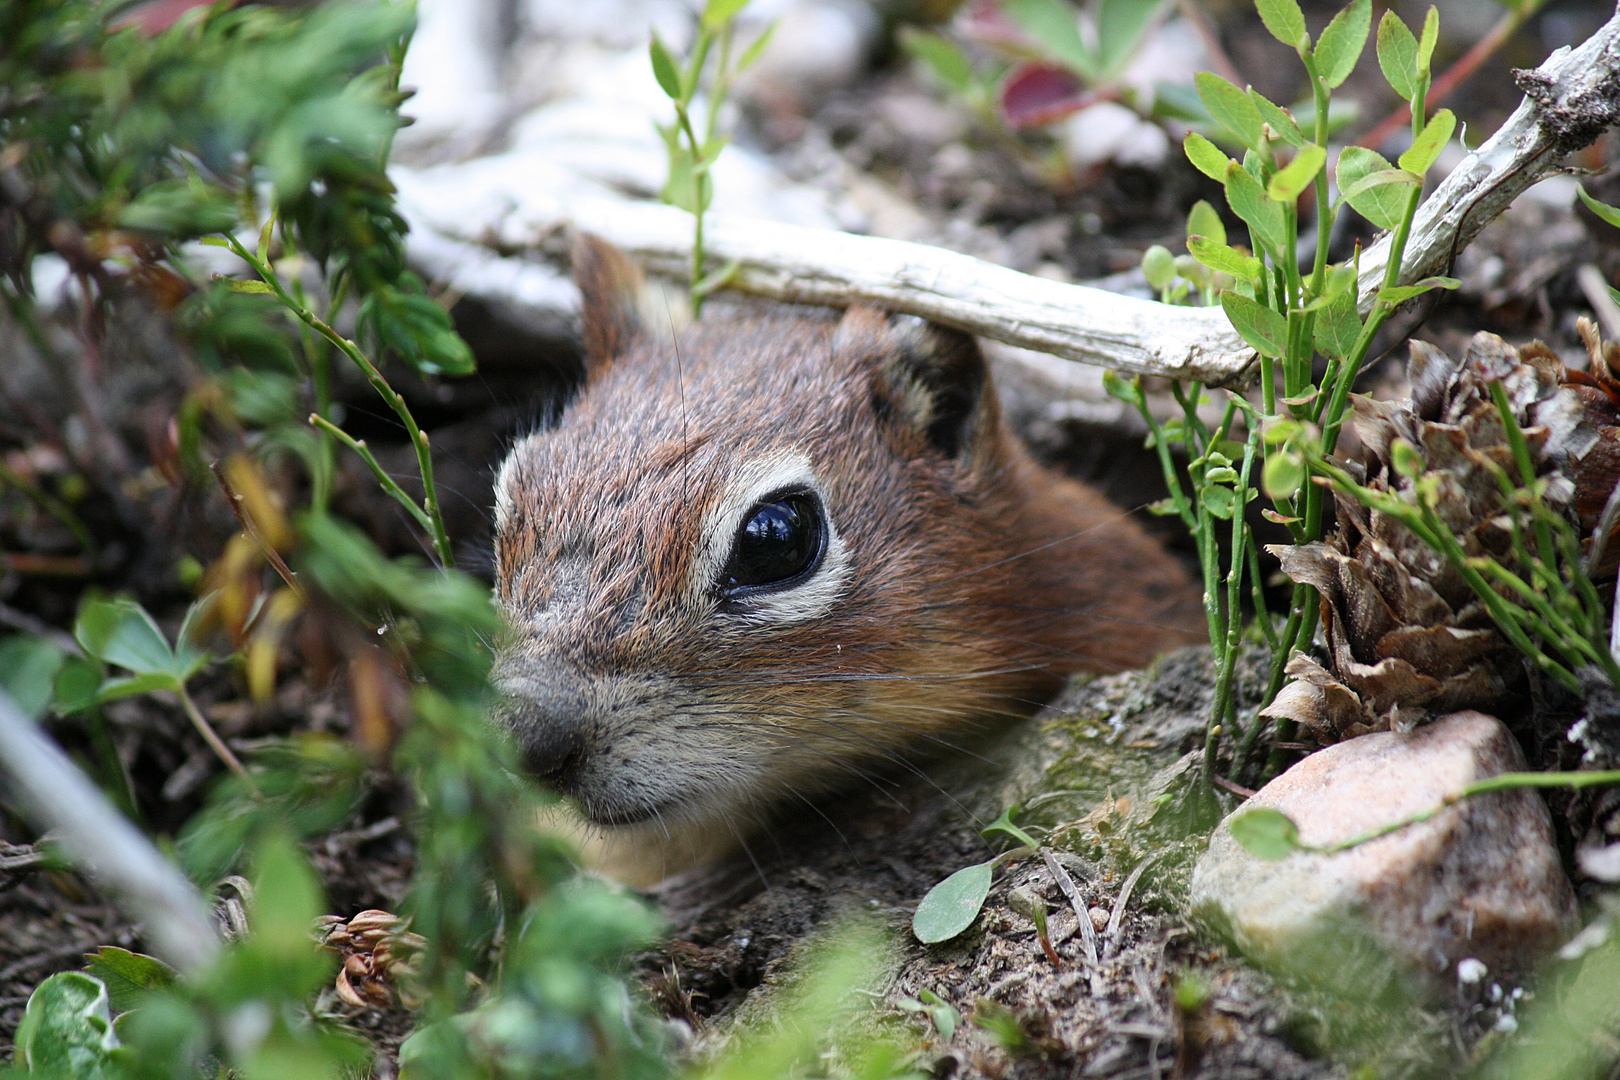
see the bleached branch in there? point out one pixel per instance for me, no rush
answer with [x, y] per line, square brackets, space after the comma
[54, 795]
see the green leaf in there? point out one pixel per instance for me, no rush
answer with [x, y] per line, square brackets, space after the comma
[1159, 267]
[1205, 156]
[1121, 25]
[1261, 327]
[286, 897]
[1604, 211]
[1382, 199]
[1398, 55]
[1231, 108]
[1121, 388]
[176, 208]
[1425, 149]
[951, 906]
[681, 189]
[1280, 120]
[1192, 271]
[1286, 23]
[120, 632]
[130, 685]
[1378, 179]
[239, 286]
[945, 1017]
[1338, 327]
[1402, 293]
[1004, 824]
[940, 54]
[66, 1030]
[1221, 502]
[264, 238]
[669, 81]
[1335, 282]
[1227, 260]
[77, 684]
[1341, 42]
[1282, 475]
[1203, 220]
[1053, 24]
[716, 13]
[189, 655]
[28, 667]
[1266, 833]
[404, 319]
[1297, 175]
[757, 48]
[1263, 216]
[717, 279]
[1406, 458]
[128, 975]
[1426, 42]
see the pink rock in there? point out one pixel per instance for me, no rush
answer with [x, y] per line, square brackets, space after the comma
[1480, 880]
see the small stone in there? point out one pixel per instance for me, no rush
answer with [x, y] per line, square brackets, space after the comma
[1108, 131]
[1099, 918]
[1481, 879]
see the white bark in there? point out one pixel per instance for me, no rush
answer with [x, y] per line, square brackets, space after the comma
[56, 796]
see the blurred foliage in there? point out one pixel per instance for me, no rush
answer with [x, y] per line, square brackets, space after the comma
[118, 147]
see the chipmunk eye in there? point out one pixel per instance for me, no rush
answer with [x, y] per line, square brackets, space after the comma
[780, 541]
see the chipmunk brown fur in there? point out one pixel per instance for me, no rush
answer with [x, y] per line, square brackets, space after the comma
[749, 562]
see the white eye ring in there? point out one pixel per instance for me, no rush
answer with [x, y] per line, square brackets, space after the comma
[799, 601]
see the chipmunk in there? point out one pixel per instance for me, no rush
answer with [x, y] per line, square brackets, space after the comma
[748, 562]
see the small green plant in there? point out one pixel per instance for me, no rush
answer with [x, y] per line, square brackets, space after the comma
[1289, 315]
[951, 907]
[941, 1013]
[691, 157]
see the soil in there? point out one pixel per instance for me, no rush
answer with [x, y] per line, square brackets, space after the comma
[1103, 773]
[1108, 778]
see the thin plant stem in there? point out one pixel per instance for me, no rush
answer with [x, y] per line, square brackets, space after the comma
[418, 438]
[1499, 782]
[388, 483]
[211, 737]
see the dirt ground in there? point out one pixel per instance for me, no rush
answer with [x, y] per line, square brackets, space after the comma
[1103, 769]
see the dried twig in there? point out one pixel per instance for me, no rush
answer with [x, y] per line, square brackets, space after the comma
[55, 795]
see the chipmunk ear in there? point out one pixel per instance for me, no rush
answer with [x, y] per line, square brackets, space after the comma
[611, 288]
[933, 378]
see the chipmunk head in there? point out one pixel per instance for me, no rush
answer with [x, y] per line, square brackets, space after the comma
[730, 568]
[758, 555]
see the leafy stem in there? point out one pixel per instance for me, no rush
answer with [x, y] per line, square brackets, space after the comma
[431, 516]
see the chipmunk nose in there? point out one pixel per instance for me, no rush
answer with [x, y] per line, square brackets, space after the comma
[544, 707]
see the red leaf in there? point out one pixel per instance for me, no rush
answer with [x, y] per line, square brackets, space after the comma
[156, 17]
[987, 23]
[1036, 94]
